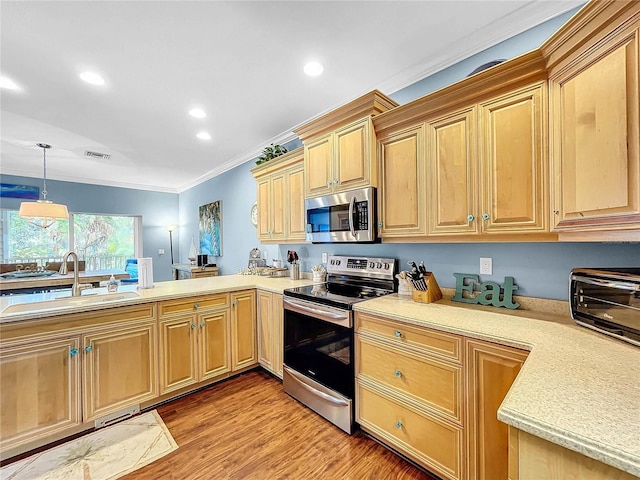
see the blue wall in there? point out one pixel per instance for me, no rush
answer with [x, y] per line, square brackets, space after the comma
[157, 210]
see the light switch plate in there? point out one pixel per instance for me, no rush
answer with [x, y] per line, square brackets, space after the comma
[324, 257]
[161, 251]
[486, 265]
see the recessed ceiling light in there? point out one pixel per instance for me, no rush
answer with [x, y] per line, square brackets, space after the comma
[7, 83]
[203, 136]
[92, 78]
[313, 69]
[197, 113]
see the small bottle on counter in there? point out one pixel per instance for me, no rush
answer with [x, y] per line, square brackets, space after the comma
[112, 284]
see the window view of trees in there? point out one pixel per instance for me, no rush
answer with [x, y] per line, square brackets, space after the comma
[102, 241]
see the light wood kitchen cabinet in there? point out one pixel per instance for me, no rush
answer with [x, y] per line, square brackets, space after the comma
[120, 368]
[341, 160]
[40, 393]
[403, 190]
[243, 330]
[270, 326]
[499, 146]
[280, 184]
[409, 391]
[490, 371]
[194, 341]
[185, 271]
[594, 90]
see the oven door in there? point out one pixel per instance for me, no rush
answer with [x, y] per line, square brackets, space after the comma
[318, 343]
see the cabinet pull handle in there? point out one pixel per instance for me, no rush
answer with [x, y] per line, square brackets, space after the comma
[193, 325]
[470, 218]
[201, 324]
[397, 373]
[73, 352]
[485, 216]
[196, 305]
[88, 348]
[398, 334]
[399, 424]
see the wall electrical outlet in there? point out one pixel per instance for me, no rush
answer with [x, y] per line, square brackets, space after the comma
[486, 266]
[161, 251]
[324, 257]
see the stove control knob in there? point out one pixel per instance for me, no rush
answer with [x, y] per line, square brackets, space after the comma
[386, 266]
[338, 262]
[371, 264]
[378, 265]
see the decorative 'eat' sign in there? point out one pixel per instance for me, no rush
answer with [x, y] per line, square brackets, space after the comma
[489, 291]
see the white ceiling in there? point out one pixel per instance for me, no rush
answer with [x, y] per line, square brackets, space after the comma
[239, 61]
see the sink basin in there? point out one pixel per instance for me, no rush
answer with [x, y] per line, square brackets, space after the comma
[69, 302]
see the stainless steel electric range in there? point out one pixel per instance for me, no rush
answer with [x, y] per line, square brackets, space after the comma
[319, 335]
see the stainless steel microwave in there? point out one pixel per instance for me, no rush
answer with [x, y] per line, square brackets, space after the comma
[346, 217]
[608, 301]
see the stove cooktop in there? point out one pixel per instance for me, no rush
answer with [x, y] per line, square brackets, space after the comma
[336, 296]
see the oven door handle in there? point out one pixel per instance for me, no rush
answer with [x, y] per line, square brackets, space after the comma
[352, 205]
[342, 319]
[329, 398]
[606, 283]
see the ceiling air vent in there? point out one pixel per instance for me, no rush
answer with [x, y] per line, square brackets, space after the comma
[97, 155]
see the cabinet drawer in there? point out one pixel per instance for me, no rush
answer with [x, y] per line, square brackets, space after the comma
[193, 304]
[432, 382]
[445, 345]
[431, 442]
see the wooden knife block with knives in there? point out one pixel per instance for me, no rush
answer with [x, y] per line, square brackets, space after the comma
[425, 285]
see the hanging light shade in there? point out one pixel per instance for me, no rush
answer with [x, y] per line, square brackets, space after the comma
[43, 213]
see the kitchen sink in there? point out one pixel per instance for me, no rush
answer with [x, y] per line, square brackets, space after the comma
[70, 302]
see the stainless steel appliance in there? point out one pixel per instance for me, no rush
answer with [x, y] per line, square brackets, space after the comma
[342, 217]
[607, 300]
[318, 334]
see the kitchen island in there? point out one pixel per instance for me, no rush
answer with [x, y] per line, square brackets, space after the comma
[576, 389]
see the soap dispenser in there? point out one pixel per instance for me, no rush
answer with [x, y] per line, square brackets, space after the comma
[112, 284]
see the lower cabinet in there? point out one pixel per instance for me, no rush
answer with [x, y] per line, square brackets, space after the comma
[270, 326]
[40, 393]
[243, 330]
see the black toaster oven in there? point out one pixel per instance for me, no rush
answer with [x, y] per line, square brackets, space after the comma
[607, 300]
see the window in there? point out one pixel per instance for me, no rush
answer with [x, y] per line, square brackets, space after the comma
[102, 241]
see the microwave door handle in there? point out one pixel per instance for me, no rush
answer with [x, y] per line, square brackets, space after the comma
[607, 283]
[352, 205]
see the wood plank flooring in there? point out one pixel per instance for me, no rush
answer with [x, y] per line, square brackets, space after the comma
[247, 428]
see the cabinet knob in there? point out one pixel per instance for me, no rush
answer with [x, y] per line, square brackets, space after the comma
[398, 333]
[556, 212]
[196, 305]
[88, 349]
[399, 424]
[470, 218]
[485, 216]
[335, 181]
[73, 352]
[234, 303]
[328, 183]
[201, 324]
[380, 224]
[193, 325]
[397, 373]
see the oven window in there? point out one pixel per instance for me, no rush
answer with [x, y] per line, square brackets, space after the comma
[320, 350]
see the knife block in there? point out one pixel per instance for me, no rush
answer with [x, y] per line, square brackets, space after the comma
[433, 292]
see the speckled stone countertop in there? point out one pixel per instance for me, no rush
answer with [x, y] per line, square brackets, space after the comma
[578, 388]
[160, 291]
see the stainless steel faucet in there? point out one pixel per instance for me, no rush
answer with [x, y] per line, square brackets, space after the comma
[76, 289]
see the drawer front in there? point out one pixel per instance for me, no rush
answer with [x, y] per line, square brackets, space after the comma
[431, 442]
[193, 304]
[445, 345]
[429, 381]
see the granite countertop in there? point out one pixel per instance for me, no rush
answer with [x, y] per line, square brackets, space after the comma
[578, 388]
[160, 291]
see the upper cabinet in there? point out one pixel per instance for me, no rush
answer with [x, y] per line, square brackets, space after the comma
[280, 185]
[339, 147]
[595, 160]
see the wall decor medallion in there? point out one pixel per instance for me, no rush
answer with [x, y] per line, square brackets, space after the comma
[254, 214]
[210, 226]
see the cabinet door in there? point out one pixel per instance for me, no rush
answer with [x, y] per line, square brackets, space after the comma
[452, 162]
[295, 205]
[318, 157]
[277, 318]
[403, 196]
[243, 330]
[353, 156]
[40, 391]
[178, 367]
[513, 162]
[491, 369]
[264, 209]
[279, 199]
[119, 370]
[265, 331]
[213, 343]
[595, 154]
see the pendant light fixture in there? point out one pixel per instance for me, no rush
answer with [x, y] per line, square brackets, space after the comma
[43, 213]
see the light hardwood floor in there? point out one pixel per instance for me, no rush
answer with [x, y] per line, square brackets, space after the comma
[247, 428]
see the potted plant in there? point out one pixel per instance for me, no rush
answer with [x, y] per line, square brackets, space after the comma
[271, 152]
